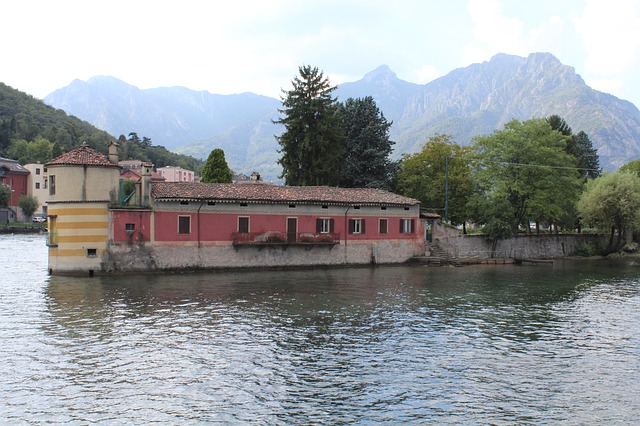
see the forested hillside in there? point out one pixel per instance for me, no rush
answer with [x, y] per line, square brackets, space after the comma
[32, 131]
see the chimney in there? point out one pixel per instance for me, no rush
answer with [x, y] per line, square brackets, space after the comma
[145, 188]
[113, 152]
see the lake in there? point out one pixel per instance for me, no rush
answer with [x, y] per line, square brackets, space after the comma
[506, 344]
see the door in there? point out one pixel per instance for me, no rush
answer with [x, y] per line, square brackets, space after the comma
[292, 229]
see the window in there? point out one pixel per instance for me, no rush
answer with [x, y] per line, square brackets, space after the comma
[383, 226]
[91, 252]
[356, 226]
[243, 204]
[37, 170]
[243, 225]
[356, 207]
[325, 206]
[52, 184]
[406, 226]
[324, 226]
[383, 208]
[130, 227]
[211, 203]
[184, 203]
[292, 206]
[37, 185]
[184, 224]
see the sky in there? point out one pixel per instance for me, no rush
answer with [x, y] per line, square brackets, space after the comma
[227, 47]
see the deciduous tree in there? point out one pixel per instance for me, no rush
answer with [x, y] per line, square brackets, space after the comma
[439, 171]
[5, 196]
[611, 203]
[526, 165]
[312, 141]
[28, 204]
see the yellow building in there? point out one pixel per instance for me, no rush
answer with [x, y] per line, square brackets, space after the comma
[82, 184]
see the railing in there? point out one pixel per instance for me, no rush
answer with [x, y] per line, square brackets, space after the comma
[285, 238]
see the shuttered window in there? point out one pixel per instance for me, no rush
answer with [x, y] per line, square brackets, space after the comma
[324, 226]
[356, 226]
[407, 226]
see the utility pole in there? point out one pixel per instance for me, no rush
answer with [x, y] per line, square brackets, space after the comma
[446, 189]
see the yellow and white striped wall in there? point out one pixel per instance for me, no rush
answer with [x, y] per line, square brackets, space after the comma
[78, 236]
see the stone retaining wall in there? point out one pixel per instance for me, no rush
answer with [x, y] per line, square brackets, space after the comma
[522, 247]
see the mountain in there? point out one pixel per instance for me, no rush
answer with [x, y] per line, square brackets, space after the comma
[467, 102]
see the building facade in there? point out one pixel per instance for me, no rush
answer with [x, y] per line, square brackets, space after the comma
[176, 174]
[37, 186]
[15, 177]
[179, 226]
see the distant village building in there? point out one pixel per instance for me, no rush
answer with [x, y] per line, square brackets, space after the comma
[176, 174]
[178, 226]
[15, 177]
[37, 186]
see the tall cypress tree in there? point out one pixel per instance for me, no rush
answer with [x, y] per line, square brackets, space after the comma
[312, 142]
[215, 169]
[366, 162]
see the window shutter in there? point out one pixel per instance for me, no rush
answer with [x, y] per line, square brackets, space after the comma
[413, 226]
[401, 223]
[362, 222]
[352, 226]
[331, 226]
[318, 226]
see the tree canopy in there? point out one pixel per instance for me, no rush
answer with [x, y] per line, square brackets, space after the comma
[28, 204]
[216, 169]
[312, 142]
[422, 176]
[5, 196]
[580, 146]
[525, 168]
[366, 162]
[611, 203]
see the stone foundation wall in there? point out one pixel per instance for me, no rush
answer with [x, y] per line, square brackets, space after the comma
[140, 257]
[521, 247]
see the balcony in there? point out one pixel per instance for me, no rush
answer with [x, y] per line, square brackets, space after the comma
[285, 239]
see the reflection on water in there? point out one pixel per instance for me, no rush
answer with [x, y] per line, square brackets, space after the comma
[499, 344]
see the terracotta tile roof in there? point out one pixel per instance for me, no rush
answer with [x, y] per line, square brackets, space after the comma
[82, 155]
[170, 191]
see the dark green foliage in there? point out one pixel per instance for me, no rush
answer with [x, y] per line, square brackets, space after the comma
[425, 175]
[215, 169]
[367, 146]
[312, 142]
[587, 159]
[557, 123]
[28, 204]
[526, 170]
[580, 147]
[26, 122]
[5, 196]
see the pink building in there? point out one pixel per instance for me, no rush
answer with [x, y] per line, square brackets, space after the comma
[176, 174]
[192, 225]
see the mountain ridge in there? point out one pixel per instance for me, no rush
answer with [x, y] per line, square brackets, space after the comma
[467, 102]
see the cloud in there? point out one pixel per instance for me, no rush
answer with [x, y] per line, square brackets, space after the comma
[614, 86]
[610, 32]
[494, 32]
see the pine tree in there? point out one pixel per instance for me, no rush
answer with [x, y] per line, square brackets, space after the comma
[366, 161]
[216, 169]
[312, 142]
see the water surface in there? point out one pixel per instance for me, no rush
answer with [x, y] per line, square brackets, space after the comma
[399, 345]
